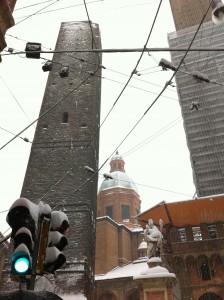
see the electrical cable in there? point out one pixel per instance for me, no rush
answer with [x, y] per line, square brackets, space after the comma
[152, 137]
[53, 10]
[24, 7]
[176, 70]
[48, 110]
[24, 139]
[35, 13]
[152, 187]
[139, 79]
[138, 88]
[68, 172]
[91, 29]
[16, 100]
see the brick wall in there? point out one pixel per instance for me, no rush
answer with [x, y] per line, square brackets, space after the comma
[60, 150]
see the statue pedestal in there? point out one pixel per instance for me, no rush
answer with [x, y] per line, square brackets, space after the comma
[156, 282]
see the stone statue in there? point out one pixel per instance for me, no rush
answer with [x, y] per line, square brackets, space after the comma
[153, 237]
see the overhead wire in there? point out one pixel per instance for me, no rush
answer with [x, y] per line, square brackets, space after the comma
[151, 105]
[152, 137]
[123, 89]
[15, 99]
[57, 9]
[35, 13]
[48, 110]
[72, 167]
[138, 88]
[139, 79]
[25, 139]
[68, 172]
[31, 5]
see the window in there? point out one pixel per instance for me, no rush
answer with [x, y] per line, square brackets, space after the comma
[197, 233]
[65, 117]
[182, 235]
[109, 211]
[210, 296]
[125, 213]
[212, 232]
[204, 268]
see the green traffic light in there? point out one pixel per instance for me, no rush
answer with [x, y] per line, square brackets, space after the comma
[20, 263]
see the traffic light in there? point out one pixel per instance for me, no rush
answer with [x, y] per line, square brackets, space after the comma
[23, 219]
[59, 227]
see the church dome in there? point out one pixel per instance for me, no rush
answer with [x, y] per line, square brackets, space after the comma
[120, 179]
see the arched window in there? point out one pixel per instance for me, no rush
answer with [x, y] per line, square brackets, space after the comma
[192, 269]
[65, 117]
[204, 268]
[133, 295]
[210, 296]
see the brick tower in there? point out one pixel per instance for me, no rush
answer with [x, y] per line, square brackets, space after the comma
[118, 198]
[66, 140]
[189, 13]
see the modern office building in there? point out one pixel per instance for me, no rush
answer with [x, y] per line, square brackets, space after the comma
[200, 86]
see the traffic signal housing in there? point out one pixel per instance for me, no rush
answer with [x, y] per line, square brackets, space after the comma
[22, 218]
[59, 227]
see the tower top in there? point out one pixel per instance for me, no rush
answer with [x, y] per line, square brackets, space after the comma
[117, 163]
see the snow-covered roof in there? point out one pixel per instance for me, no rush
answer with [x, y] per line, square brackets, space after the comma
[73, 297]
[130, 270]
[120, 179]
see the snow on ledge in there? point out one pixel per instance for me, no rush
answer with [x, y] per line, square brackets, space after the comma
[73, 297]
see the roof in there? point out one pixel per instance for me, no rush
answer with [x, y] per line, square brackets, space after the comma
[120, 179]
[129, 270]
[138, 269]
[190, 212]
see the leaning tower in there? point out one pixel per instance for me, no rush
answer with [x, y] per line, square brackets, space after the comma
[66, 140]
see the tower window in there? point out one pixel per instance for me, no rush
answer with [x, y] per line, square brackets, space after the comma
[125, 211]
[65, 117]
[109, 211]
[212, 231]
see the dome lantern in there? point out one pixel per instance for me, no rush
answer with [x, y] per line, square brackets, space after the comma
[117, 163]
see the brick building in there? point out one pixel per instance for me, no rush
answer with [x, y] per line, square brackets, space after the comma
[63, 145]
[117, 233]
[189, 13]
[4, 249]
[118, 198]
[194, 244]
[6, 19]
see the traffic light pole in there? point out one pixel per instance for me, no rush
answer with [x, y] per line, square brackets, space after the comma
[31, 282]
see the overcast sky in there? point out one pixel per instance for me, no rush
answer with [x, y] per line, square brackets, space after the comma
[155, 153]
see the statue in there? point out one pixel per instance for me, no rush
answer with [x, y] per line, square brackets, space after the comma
[153, 237]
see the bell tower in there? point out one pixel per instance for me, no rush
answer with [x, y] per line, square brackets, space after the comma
[118, 197]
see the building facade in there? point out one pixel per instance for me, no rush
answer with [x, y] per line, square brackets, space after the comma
[118, 196]
[189, 13]
[6, 19]
[63, 145]
[193, 245]
[200, 86]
